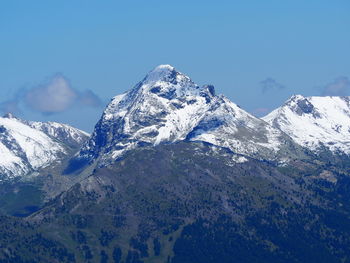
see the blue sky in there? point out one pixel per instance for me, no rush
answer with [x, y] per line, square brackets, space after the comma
[257, 53]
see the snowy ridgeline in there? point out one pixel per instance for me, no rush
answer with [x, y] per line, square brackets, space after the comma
[167, 106]
[28, 146]
[315, 122]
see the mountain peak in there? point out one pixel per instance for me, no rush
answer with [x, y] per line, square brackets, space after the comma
[296, 97]
[315, 122]
[164, 67]
[165, 73]
[301, 105]
[166, 107]
[9, 115]
[161, 71]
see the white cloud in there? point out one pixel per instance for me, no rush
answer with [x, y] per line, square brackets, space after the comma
[54, 96]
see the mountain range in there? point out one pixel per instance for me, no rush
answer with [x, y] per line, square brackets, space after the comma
[174, 172]
[167, 107]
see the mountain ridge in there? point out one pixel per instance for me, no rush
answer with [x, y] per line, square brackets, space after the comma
[27, 146]
[167, 106]
[315, 122]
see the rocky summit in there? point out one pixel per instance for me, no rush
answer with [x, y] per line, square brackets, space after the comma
[167, 107]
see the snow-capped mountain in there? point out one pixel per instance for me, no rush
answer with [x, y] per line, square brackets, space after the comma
[167, 106]
[64, 133]
[28, 146]
[315, 122]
